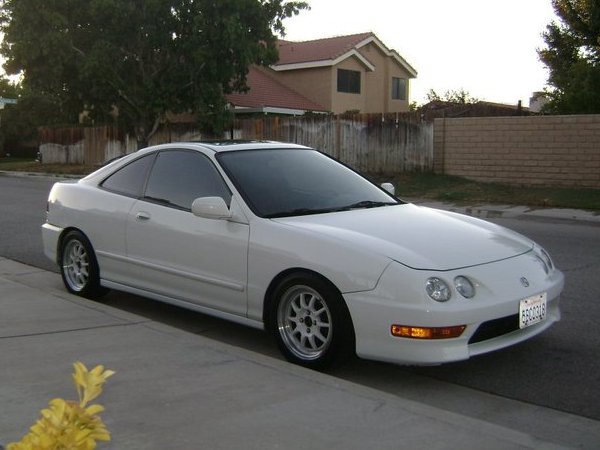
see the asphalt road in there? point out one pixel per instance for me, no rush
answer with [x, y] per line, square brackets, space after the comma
[559, 369]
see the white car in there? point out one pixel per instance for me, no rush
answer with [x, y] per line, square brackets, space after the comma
[284, 238]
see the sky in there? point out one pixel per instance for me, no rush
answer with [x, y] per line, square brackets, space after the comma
[486, 47]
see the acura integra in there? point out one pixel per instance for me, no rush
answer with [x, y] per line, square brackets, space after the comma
[287, 239]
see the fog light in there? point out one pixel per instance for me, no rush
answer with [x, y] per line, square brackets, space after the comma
[407, 331]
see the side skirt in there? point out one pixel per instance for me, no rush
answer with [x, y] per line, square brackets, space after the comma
[184, 304]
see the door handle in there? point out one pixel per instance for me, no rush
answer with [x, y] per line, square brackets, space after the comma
[142, 216]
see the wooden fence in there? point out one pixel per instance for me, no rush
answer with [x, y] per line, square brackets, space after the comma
[371, 143]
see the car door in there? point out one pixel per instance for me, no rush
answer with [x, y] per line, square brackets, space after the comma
[108, 213]
[172, 252]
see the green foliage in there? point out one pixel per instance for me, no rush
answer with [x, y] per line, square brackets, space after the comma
[8, 89]
[16, 125]
[452, 96]
[572, 55]
[21, 121]
[134, 60]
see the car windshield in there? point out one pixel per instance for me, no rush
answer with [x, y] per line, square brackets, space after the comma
[292, 182]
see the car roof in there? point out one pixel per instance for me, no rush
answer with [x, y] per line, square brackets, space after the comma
[219, 146]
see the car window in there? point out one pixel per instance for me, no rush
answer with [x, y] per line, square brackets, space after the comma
[178, 177]
[129, 180]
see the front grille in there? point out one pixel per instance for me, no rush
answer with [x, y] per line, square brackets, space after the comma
[495, 328]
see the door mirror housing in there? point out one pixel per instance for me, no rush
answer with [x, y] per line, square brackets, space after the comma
[389, 188]
[211, 208]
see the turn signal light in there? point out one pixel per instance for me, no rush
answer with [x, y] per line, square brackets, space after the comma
[406, 331]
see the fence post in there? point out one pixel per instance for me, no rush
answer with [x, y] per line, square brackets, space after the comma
[337, 138]
[439, 145]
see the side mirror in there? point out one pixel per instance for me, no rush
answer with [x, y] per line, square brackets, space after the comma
[211, 208]
[389, 188]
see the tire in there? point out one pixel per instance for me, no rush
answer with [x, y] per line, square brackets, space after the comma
[79, 267]
[310, 322]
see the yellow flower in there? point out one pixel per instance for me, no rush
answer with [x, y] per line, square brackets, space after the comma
[68, 425]
[89, 383]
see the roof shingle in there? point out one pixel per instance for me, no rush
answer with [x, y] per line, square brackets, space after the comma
[266, 91]
[319, 49]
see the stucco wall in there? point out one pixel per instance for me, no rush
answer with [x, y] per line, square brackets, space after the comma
[398, 72]
[527, 151]
[345, 101]
[376, 81]
[314, 84]
[379, 82]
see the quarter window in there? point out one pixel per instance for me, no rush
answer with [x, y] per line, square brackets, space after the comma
[348, 81]
[130, 179]
[398, 88]
[179, 177]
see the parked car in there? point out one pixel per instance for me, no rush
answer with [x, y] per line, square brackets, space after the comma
[284, 238]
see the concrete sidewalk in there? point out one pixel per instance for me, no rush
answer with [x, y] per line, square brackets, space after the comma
[178, 390]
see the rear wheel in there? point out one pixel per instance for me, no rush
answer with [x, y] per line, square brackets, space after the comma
[310, 322]
[79, 267]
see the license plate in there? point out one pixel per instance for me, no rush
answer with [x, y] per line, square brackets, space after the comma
[532, 310]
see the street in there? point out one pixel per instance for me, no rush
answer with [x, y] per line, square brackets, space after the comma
[559, 369]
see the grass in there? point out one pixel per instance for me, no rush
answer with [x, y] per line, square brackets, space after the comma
[31, 165]
[459, 190]
[411, 186]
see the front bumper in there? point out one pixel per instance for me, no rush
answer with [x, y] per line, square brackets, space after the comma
[400, 299]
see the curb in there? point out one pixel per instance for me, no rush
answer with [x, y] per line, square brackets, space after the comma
[515, 212]
[9, 173]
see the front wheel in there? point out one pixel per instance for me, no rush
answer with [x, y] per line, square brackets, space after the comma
[78, 266]
[310, 321]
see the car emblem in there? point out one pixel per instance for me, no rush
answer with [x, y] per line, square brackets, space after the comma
[524, 282]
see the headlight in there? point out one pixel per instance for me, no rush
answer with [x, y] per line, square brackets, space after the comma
[544, 258]
[437, 289]
[464, 287]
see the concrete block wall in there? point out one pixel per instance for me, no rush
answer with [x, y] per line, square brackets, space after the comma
[527, 151]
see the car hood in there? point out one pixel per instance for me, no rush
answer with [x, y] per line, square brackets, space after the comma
[418, 237]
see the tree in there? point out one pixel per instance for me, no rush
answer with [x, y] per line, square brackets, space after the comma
[20, 122]
[452, 96]
[137, 59]
[572, 56]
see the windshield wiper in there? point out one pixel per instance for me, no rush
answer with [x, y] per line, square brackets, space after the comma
[307, 211]
[366, 204]
[300, 212]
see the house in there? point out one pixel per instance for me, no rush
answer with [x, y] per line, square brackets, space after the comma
[339, 74]
[538, 100]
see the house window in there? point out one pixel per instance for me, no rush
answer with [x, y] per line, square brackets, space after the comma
[398, 88]
[348, 81]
